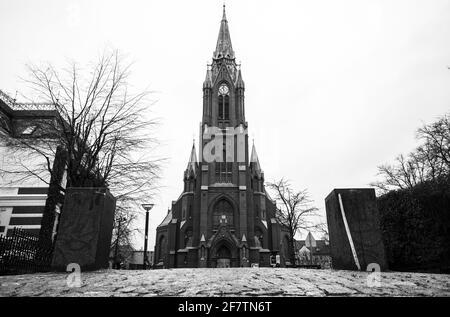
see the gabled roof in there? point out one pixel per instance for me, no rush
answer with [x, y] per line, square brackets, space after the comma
[167, 219]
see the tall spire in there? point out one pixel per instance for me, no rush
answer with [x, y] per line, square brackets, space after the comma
[224, 16]
[224, 47]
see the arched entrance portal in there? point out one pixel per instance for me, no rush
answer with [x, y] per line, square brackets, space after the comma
[223, 257]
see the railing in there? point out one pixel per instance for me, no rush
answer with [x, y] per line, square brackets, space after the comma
[6, 99]
[10, 102]
[21, 252]
[34, 106]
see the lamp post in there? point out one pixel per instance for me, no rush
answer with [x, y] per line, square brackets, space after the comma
[147, 208]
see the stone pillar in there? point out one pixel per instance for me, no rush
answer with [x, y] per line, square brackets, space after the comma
[172, 241]
[362, 221]
[242, 210]
[275, 227]
[204, 201]
[85, 229]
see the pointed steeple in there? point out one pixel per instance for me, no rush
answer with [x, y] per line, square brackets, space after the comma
[192, 165]
[254, 159]
[224, 49]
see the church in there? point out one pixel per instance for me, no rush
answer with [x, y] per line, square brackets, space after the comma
[224, 217]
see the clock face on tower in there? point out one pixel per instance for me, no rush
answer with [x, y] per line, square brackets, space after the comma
[223, 90]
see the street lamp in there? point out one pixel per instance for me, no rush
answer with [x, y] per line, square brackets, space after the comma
[147, 208]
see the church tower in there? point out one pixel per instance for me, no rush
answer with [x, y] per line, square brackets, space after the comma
[224, 217]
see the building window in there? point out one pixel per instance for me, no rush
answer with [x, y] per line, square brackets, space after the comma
[29, 130]
[223, 213]
[224, 170]
[224, 103]
[259, 238]
[162, 250]
[188, 238]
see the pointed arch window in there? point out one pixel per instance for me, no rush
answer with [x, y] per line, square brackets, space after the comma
[223, 213]
[224, 103]
[162, 249]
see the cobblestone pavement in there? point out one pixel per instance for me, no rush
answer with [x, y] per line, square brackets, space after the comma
[226, 282]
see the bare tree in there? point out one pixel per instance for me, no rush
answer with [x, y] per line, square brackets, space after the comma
[429, 161]
[103, 127]
[436, 137]
[123, 231]
[294, 211]
[406, 173]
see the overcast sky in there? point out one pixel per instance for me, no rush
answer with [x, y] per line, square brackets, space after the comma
[333, 88]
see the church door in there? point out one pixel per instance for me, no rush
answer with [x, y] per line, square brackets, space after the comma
[223, 257]
[223, 263]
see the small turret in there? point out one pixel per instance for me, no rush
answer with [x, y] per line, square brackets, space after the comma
[208, 80]
[191, 171]
[239, 81]
[254, 161]
[257, 173]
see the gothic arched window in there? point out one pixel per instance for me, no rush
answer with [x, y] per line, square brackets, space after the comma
[259, 238]
[224, 102]
[188, 238]
[223, 213]
[162, 250]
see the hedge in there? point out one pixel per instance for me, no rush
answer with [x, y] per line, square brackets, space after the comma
[416, 227]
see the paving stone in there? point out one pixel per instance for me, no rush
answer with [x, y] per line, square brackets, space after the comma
[128, 289]
[227, 282]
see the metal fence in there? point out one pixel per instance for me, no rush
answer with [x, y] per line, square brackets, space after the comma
[21, 253]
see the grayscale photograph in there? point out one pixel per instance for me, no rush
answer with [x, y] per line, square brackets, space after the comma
[225, 155]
